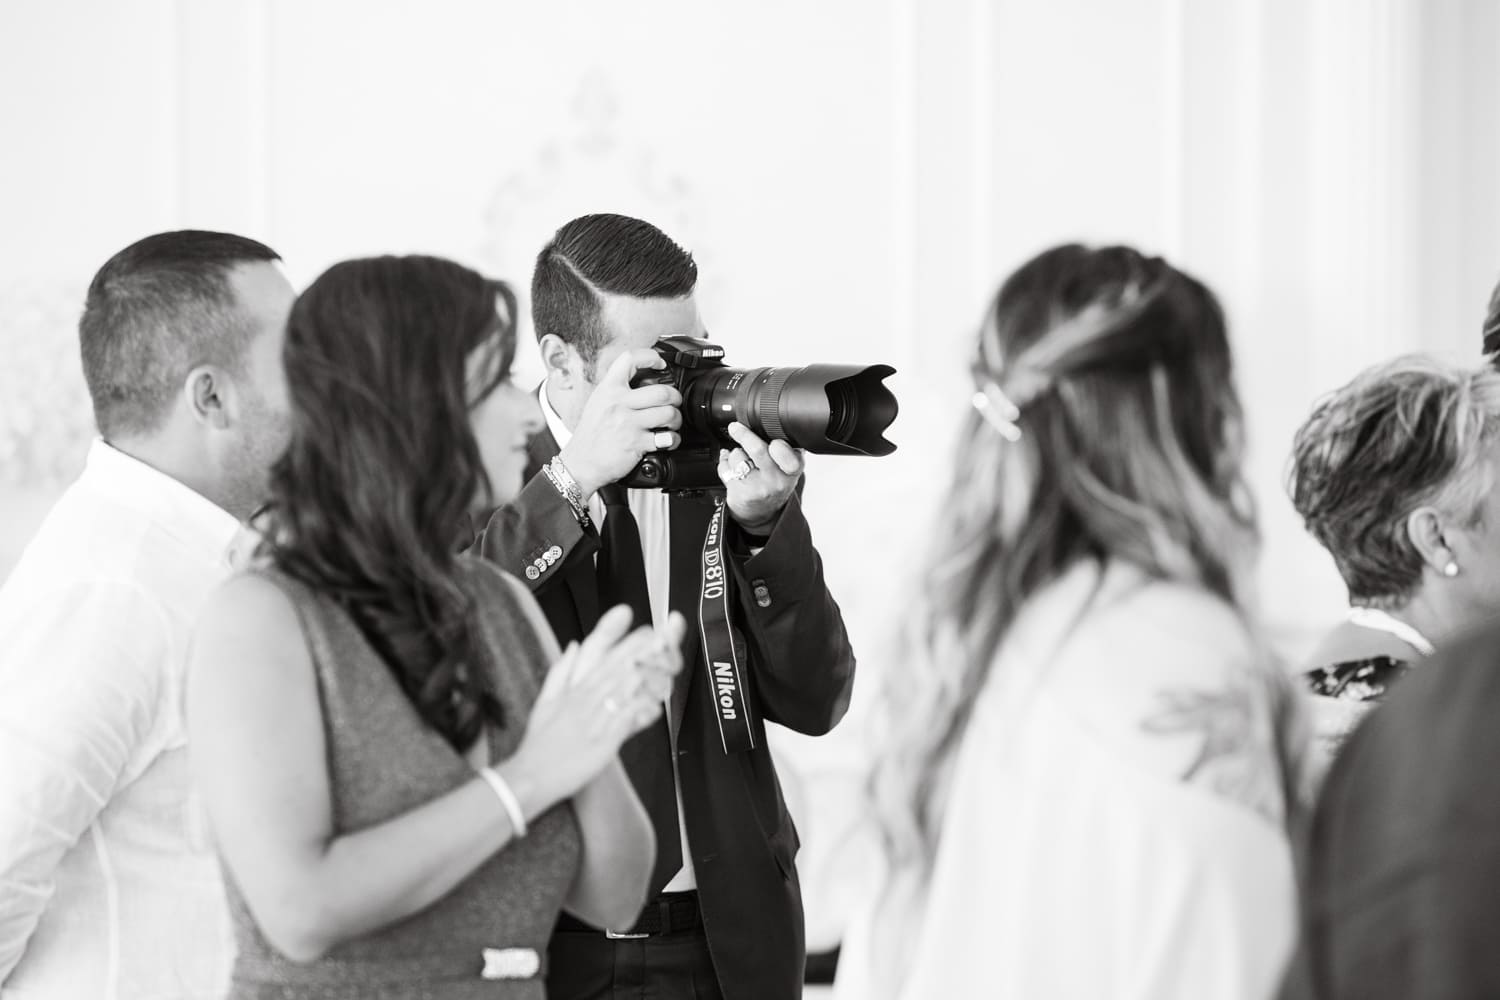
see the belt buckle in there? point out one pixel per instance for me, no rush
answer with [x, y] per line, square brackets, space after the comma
[623, 935]
[510, 963]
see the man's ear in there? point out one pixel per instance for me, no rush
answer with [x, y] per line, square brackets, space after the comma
[559, 358]
[1424, 527]
[210, 396]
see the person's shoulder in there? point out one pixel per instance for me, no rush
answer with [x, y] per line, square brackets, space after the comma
[1412, 785]
[1366, 679]
[1171, 678]
[257, 606]
[505, 604]
[83, 539]
[85, 628]
[80, 571]
[1348, 642]
[249, 642]
[1478, 647]
[499, 596]
[1170, 628]
[1459, 686]
[1139, 640]
[32, 593]
[486, 581]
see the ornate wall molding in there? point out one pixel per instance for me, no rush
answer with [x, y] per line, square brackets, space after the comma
[46, 421]
[592, 163]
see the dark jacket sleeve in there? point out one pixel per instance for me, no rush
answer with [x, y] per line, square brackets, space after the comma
[535, 536]
[802, 661]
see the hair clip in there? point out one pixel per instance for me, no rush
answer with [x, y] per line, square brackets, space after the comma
[996, 407]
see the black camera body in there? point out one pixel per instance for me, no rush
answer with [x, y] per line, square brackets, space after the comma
[824, 409]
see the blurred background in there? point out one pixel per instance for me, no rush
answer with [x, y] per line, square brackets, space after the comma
[854, 178]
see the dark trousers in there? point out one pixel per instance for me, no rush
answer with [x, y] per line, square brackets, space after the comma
[586, 965]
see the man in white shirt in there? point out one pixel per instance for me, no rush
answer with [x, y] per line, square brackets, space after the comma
[108, 882]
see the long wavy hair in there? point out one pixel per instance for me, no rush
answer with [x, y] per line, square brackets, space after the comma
[1106, 428]
[385, 357]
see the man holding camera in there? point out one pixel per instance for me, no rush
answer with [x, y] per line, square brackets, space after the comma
[766, 641]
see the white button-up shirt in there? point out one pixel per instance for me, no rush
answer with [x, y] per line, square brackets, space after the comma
[109, 886]
[652, 511]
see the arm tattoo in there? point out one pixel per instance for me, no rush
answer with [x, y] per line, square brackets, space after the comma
[1236, 756]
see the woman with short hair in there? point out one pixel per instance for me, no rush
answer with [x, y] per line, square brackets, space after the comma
[1395, 474]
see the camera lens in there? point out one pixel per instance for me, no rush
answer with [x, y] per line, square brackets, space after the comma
[824, 409]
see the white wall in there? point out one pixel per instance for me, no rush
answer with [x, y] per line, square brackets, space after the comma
[854, 178]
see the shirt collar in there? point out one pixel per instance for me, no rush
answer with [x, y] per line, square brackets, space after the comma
[560, 432]
[181, 510]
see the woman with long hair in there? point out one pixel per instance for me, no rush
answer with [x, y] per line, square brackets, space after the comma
[405, 778]
[1086, 767]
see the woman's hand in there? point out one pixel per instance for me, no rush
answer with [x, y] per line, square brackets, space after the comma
[599, 694]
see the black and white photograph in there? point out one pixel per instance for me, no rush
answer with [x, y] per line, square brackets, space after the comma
[667, 500]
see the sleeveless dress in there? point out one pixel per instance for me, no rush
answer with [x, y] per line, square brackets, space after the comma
[383, 760]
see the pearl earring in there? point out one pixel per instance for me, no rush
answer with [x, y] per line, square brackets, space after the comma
[1451, 569]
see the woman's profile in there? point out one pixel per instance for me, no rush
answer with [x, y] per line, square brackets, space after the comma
[406, 779]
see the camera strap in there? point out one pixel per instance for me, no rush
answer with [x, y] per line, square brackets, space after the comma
[725, 677]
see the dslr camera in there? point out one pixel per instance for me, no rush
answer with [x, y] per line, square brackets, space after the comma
[824, 409]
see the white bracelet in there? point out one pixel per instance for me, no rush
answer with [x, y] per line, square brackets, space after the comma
[508, 800]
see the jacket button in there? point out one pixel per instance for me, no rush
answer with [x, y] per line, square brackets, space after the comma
[762, 594]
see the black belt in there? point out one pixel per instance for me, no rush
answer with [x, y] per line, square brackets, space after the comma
[669, 913]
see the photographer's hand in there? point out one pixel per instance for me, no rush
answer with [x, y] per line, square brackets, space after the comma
[619, 424]
[759, 478]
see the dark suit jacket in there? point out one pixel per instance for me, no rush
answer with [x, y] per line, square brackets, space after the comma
[800, 674]
[1401, 861]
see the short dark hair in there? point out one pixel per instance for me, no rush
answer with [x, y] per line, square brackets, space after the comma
[154, 311]
[608, 253]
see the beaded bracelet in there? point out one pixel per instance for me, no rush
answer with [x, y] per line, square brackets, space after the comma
[567, 487]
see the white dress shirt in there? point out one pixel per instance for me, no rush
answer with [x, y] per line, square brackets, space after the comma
[109, 885]
[652, 512]
[1115, 822]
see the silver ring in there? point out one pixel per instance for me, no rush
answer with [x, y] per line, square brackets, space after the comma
[662, 439]
[739, 472]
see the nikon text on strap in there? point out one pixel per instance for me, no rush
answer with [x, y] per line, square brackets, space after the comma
[726, 677]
